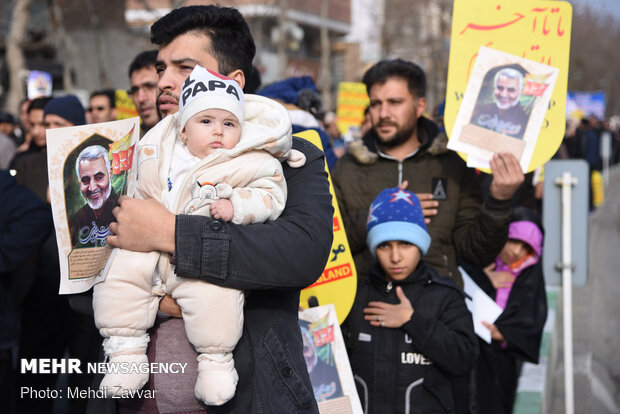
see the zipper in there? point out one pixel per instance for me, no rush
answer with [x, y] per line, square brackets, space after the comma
[388, 287]
[445, 263]
[400, 173]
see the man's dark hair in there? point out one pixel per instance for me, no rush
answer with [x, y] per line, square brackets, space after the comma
[38, 103]
[109, 93]
[397, 68]
[143, 60]
[231, 41]
[309, 100]
[252, 83]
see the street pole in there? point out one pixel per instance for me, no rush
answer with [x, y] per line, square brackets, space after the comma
[325, 52]
[567, 182]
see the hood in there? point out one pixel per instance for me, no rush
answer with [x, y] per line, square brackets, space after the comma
[527, 232]
[365, 151]
[287, 90]
[267, 126]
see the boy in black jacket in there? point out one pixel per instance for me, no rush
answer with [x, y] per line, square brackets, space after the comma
[409, 331]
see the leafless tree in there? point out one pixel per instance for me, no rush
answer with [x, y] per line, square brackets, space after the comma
[15, 54]
[419, 30]
[595, 57]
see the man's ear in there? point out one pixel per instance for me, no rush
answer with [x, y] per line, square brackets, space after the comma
[114, 113]
[184, 136]
[420, 107]
[238, 76]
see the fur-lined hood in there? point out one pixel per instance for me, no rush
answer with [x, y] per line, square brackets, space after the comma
[434, 142]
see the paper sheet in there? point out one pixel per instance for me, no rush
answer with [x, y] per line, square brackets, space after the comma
[481, 306]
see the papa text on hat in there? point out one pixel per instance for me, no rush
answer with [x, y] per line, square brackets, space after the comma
[205, 89]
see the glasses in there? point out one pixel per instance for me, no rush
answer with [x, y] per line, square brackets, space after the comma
[96, 108]
[147, 87]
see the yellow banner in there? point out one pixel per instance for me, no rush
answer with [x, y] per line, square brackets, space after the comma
[352, 101]
[125, 107]
[536, 30]
[338, 282]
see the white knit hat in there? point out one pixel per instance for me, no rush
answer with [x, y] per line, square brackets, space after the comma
[204, 89]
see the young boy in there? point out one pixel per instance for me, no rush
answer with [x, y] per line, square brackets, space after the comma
[409, 331]
[224, 164]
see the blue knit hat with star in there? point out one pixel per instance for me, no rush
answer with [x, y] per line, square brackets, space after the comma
[396, 214]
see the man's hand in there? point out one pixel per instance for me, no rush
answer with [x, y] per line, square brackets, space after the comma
[142, 226]
[429, 206]
[496, 335]
[507, 176]
[222, 209]
[169, 306]
[387, 315]
[499, 279]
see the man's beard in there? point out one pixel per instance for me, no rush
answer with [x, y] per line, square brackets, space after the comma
[508, 105]
[97, 204]
[400, 137]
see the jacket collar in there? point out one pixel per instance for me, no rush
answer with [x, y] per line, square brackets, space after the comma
[423, 274]
[378, 279]
[427, 131]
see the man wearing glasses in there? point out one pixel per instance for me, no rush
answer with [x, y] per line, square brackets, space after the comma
[143, 80]
[102, 106]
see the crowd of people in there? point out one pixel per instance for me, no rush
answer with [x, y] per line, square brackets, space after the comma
[262, 231]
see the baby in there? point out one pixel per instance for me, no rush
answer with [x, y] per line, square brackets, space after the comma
[218, 156]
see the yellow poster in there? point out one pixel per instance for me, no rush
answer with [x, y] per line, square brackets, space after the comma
[125, 107]
[352, 101]
[535, 30]
[338, 282]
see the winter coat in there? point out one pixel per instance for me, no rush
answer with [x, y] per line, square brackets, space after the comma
[264, 260]
[466, 225]
[25, 223]
[521, 323]
[409, 369]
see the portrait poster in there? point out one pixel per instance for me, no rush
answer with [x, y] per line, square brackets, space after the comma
[89, 168]
[327, 361]
[39, 84]
[503, 107]
[584, 104]
[538, 30]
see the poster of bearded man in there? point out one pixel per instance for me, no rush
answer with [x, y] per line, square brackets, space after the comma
[89, 168]
[503, 108]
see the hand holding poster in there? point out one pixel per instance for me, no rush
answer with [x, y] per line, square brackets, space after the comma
[503, 108]
[89, 168]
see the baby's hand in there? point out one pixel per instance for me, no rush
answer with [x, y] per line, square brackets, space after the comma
[222, 209]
